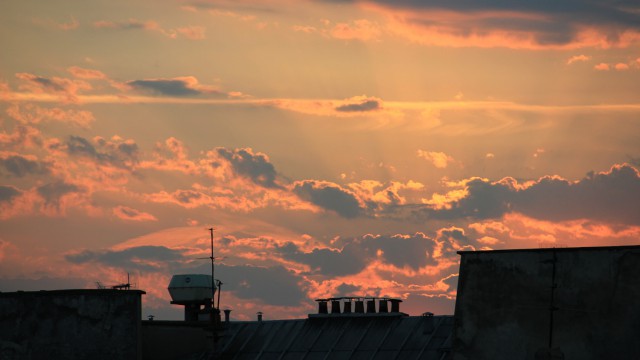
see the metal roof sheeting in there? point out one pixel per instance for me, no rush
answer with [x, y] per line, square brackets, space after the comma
[340, 337]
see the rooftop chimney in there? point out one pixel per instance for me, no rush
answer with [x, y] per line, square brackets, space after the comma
[322, 307]
[227, 313]
[347, 307]
[395, 305]
[259, 313]
[335, 306]
[382, 306]
[371, 306]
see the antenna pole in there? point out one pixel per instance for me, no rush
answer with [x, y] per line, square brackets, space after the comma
[219, 291]
[213, 279]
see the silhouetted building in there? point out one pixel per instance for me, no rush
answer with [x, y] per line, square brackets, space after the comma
[558, 303]
[70, 324]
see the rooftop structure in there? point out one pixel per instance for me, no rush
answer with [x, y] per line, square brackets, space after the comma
[554, 303]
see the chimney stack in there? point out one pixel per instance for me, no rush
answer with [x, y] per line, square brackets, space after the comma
[227, 313]
[322, 306]
[371, 306]
[382, 306]
[395, 305]
[347, 307]
[259, 313]
[335, 306]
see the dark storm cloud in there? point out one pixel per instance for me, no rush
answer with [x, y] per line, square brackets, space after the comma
[52, 192]
[611, 196]
[329, 196]
[20, 166]
[329, 262]
[7, 193]
[122, 155]
[550, 22]
[271, 285]
[365, 105]
[254, 166]
[413, 251]
[347, 290]
[145, 258]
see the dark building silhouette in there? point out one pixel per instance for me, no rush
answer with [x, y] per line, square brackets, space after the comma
[70, 324]
[557, 303]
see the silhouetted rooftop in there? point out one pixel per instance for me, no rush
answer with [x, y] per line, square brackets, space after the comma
[340, 337]
[542, 249]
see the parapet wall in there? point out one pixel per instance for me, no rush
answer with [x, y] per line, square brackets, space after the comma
[70, 324]
[570, 303]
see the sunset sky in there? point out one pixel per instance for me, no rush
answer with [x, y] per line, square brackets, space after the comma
[337, 147]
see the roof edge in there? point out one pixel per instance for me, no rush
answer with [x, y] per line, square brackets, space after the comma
[587, 248]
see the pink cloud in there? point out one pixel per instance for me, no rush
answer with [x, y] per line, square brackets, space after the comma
[577, 58]
[68, 90]
[602, 67]
[188, 32]
[362, 29]
[621, 66]
[33, 114]
[87, 74]
[192, 32]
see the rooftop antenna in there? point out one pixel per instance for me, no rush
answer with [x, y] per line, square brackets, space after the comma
[213, 279]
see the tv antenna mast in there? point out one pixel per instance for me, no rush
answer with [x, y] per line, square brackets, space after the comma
[213, 279]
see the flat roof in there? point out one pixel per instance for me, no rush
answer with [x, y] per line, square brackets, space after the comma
[586, 248]
[68, 292]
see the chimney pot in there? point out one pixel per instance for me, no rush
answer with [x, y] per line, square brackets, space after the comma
[395, 305]
[322, 307]
[335, 306]
[371, 306]
[382, 306]
[259, 313]
[347, 307]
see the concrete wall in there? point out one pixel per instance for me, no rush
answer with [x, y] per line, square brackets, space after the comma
[70, 324]
[504, 300]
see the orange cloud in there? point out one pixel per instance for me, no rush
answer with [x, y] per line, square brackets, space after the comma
[67, 90]
[33, 114]
[451, 26]
[602, 67]
[438, 159]
[192, 32]
[362, 29]
[621, 66]
[577, 58]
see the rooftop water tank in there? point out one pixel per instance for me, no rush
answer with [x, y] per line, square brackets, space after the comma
[191, 288]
